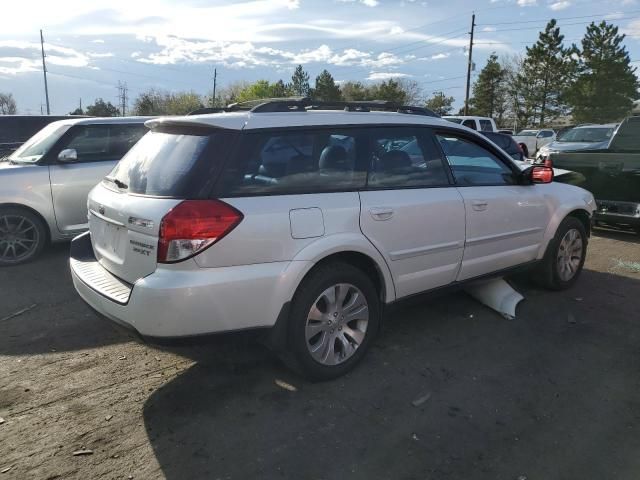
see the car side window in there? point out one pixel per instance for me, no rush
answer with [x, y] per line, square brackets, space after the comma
[123, 137]
[91, 142]
[295, 162]
[470, 123]
[486, 126]
[404, 158]
[473, 164]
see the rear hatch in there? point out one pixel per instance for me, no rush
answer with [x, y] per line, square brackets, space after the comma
[170, 164]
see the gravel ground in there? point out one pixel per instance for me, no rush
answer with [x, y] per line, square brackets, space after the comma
[451, 390]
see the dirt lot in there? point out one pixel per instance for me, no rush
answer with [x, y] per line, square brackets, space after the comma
[554, 394]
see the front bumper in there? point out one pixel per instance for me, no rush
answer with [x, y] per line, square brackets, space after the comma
[184, 300]
[618, 213]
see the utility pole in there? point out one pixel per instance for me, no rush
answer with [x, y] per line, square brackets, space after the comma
[44, 71]
[469, 65]
[215, 78]
[122, 97]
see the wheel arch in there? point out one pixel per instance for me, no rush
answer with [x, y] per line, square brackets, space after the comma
[579, 213]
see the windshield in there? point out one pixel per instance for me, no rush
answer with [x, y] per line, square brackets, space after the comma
[527, 133]
[453, 119]
[38, 145]
[589, 135]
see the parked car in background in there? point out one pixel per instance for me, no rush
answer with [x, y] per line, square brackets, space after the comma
[507, 143]
[204, 228]
[611, 174]
[480, 124]
[532, 140]
[44, 184]
[586, 137]
[16, 129]
[506, 131]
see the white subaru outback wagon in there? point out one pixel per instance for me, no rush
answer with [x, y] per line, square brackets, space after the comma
[310, 219]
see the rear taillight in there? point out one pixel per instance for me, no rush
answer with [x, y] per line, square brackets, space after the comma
[192, 226]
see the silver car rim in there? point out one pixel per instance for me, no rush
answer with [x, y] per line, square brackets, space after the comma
[337, 324]
[18, 237]
[569, 255]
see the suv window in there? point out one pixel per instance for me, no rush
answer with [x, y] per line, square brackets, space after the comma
[401, 157]
[546, 134]
[470, 124]
[295, 162]
[473, 164]
[95, 143]
[486, 126]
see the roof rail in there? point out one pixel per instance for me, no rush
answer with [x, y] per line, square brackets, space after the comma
[304, 103]
[204, 110]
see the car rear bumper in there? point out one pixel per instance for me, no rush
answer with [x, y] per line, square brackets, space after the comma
[181, 302]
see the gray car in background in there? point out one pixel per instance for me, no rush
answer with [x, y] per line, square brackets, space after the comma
[44, 184]
[584, 137]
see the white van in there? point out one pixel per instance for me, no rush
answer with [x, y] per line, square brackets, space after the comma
[480, 124]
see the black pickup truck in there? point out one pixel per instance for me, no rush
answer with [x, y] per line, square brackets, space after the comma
[17, 129]
[612, 175]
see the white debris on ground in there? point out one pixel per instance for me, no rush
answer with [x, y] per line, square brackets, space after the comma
[498, 295]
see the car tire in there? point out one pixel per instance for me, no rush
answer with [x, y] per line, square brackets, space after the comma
[23, 236]
[334, 317]
[525, 150]
[565, 256]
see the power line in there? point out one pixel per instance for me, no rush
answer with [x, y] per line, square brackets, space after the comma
[542, 27]
[600, 15]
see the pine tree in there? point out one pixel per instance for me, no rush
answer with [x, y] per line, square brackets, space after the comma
[547, 72]
[607, 86]
[489, 93]
[389, 90]
[326, 88]
[440, 104]
[300, 82]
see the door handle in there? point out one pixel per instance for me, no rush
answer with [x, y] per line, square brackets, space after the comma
[381, 213]
[479, 205]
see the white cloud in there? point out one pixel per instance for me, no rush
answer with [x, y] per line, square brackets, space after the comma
[527, 3]
[633, 29]
[368, 3]
[440, 56]
[20, 57]
[293, 4]
[488, 29]
[100, 55]
[386, 75]
[97, 40]
[560, 5]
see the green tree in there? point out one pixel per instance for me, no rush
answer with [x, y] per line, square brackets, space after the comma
[390, 90]
[440, 104]
[7, 104]
[256, 90]
[280, 89]
[489, 96]
[300, 82]
[547, 72]
[326, 88]
[182, 103]
[77, 111]
[355, 91]
[151, 102]
[100, 108]
[607, 84]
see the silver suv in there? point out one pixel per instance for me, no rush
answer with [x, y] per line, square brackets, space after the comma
[310, 220]
[44, 184]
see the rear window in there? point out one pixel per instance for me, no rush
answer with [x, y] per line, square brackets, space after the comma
[486, 126]
[171, 164]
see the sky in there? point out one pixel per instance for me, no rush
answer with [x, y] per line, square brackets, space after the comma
[92, 45]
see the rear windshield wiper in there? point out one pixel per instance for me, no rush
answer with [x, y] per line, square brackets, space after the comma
[118, 183]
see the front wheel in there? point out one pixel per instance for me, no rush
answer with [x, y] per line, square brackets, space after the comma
[335, 315]
[565, 256]
[22, 236]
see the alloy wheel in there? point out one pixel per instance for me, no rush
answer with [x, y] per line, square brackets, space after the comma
[337, 324]
[19, 238]
[570, 253]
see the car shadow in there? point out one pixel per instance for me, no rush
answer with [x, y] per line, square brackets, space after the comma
[40, 311]
[617, 234]
[450, 390]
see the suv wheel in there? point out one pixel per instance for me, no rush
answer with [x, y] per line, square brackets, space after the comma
[565, 255]
[22, 236]
[334, 316]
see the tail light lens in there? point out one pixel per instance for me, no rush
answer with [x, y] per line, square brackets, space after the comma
[542, 175]
[194, 225]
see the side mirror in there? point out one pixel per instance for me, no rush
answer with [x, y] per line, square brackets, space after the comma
[68, 155]
[542, 175]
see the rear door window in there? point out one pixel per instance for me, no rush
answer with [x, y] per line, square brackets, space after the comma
[470, 123]
[97, 143]
[296, 161]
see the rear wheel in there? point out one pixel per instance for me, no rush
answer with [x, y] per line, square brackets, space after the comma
[22, 236]
[565, 256]
[335, 315]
